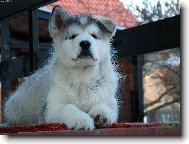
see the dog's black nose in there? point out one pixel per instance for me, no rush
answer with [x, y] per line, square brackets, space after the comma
[85, 45]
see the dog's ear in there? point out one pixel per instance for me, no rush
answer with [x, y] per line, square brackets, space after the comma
[108, 24]
[57, 19]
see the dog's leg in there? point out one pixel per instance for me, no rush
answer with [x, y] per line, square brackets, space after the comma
[70, 115]
[103, 114]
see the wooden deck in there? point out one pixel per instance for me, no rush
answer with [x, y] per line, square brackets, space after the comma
[152, 131]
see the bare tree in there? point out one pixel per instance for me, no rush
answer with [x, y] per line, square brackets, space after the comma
[163, 78]
[149, 12]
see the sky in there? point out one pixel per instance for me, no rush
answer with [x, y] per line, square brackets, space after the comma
[127, 5]
[138, 2]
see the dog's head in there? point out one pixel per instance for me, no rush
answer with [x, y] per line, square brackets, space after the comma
[80, 40]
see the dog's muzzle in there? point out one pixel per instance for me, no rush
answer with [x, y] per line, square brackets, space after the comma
[85, 56]
[85, 49]
[85, 45]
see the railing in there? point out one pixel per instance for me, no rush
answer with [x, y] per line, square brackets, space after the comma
[164, 116]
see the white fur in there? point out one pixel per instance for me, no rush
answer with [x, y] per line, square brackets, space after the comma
[75, 92]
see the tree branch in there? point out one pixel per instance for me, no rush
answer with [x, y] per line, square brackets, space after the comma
[158, 99]
[164, 105]
[170, 69]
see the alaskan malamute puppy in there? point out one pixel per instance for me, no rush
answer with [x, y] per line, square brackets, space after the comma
[78, 87]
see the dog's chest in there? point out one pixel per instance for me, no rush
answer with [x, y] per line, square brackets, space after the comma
[86, 95]
[83, 95]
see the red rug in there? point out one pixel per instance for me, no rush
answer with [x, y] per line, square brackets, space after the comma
[58, 126]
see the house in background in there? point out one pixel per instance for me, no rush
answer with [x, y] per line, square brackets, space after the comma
[113, 9]
[19, 37]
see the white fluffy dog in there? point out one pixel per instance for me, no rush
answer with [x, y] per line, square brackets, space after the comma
[78, 87]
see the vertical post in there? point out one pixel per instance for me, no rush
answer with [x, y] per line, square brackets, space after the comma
[33, 38]
[138, 62]
[5, 55]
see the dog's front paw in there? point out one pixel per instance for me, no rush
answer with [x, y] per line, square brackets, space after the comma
[81, 122]
[102, 116]
[100, 120]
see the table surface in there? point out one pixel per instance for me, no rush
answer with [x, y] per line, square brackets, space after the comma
[152, 131]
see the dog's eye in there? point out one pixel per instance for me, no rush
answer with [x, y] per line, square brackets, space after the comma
[94, 36]
[72, 37]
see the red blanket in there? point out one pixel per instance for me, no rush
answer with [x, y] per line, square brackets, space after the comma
[58, 126]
